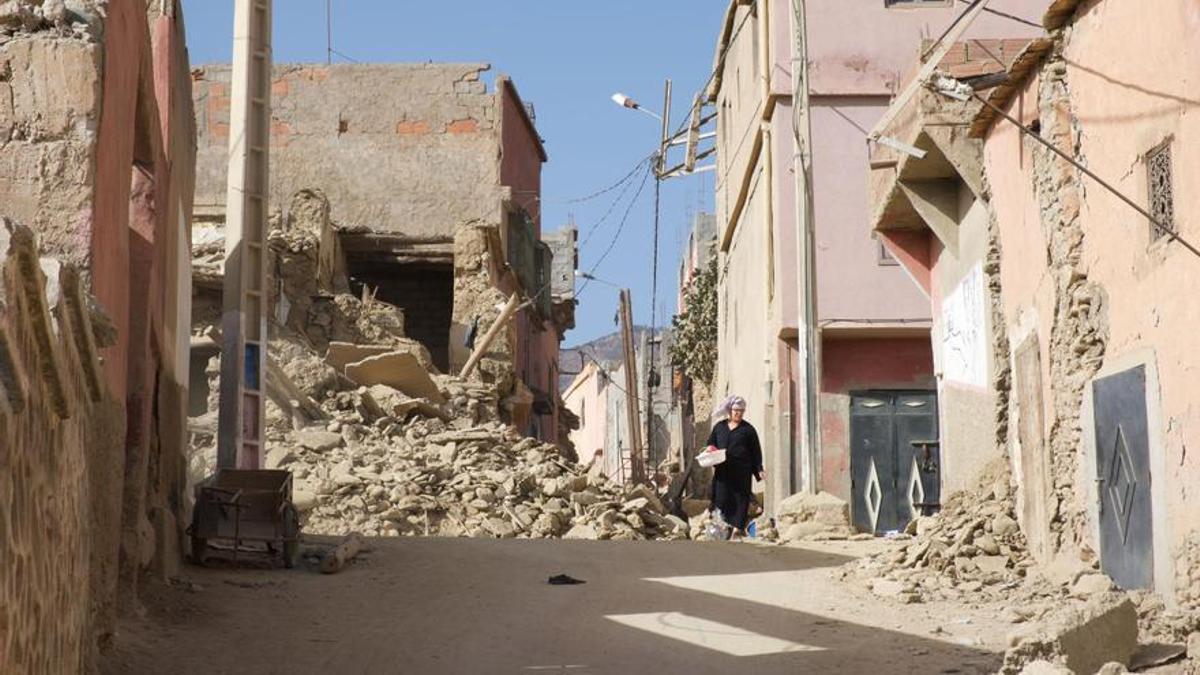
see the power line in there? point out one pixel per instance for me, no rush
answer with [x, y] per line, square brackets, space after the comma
[610, 188]
[1167, 231]
[1010, 17]
[611, 207]
[620, 228]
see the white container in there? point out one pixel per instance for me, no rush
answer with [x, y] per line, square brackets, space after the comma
[711, 458]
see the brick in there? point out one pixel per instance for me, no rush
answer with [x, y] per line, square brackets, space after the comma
[463, 126]
[412, 127]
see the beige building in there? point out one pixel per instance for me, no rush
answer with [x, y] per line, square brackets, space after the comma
[870, 392]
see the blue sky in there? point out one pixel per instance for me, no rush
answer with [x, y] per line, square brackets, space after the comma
[566, 57]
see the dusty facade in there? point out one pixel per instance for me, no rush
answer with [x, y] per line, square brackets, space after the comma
[97, 147]
[1099, 330]
[408, 155]
[933, 215]
[873, 345]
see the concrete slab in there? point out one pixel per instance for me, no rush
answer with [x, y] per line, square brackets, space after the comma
[398, 370]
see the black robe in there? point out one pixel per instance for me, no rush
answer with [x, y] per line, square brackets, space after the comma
[732, 478]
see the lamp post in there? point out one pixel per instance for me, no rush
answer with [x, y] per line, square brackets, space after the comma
[659, 169]
[626, 102]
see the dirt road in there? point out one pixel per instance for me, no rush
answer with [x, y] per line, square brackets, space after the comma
[484, 606]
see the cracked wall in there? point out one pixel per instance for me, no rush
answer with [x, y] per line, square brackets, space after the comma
[55, 413]
[413, 149]
[1088, 291]
[95, 158]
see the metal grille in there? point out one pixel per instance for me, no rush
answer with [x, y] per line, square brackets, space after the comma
[1162, 198]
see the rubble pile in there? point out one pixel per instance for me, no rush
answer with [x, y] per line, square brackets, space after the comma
[973, 546]
[377, 440]
[452, 475]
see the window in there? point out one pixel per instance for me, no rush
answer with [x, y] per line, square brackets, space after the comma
[907, 4]
[1159, 188]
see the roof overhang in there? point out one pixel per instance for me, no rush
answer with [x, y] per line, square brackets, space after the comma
[914, 193]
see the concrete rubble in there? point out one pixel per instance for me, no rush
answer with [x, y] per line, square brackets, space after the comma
[381, 443]
[1084, 640]
[384, 475]
[1067, 616]
[972, 547]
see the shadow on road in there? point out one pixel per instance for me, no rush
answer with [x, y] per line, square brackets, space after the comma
[484, 606]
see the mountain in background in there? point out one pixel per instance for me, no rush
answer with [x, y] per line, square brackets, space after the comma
[605, 349]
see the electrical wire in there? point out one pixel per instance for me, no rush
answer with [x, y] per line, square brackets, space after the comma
[620, 228]
[598, 193]
[1166, 231]
[1010, 17]
[594, 227]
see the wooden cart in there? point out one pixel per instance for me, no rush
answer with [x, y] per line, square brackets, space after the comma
[242, 505]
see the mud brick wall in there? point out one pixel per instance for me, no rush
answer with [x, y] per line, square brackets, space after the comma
[54, 413]
[404, 148]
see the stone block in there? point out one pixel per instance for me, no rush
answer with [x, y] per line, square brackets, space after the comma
[798, 531]
[582, 531]
[1103, 631]
[821, 507]
[319, 440]
[399, 370]
[1088, 585]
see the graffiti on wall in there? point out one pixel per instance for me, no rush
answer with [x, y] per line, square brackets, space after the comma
[964, 351]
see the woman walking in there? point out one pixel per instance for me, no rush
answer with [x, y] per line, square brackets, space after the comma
[743, 460]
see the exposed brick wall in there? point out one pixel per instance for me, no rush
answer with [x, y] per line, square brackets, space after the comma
[404, 148]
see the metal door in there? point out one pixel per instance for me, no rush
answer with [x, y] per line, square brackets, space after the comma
[1123, 478]
[894, 458]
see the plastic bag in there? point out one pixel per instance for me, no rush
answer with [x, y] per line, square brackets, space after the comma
[717, 529]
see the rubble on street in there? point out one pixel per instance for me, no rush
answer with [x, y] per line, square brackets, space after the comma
[972, 547]
[391, 476]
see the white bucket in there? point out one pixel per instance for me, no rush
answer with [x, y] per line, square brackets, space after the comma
[711, 458]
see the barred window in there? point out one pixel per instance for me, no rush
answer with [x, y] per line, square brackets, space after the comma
[1162, 198]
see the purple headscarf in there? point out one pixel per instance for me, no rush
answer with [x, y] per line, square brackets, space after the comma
[730, 402]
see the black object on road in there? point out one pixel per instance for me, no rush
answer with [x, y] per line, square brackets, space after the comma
[564, 580]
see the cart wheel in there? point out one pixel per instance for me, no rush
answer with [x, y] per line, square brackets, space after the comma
[291, 533]
[199, 548]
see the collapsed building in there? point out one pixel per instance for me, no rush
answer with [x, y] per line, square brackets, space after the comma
[1056, 305]
[96, 155]
[424, 190]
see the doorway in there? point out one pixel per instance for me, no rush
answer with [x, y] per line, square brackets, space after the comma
[895, 458]
[1123, 478]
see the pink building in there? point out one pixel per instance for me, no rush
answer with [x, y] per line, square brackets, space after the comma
[873, 387]
[1063, 342]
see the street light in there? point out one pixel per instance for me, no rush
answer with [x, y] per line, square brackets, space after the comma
[626, 102]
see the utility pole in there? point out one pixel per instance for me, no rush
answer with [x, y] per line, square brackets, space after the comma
[244, 319]
[631, 391]
[809, 342]
[651, 373]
